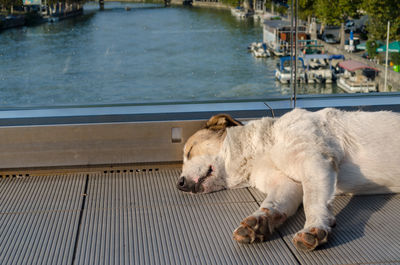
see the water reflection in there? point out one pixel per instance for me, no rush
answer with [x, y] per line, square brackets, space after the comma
[314, 88]
[147, 54]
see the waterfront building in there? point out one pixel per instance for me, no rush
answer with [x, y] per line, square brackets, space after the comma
[276, 34]
[56, 10]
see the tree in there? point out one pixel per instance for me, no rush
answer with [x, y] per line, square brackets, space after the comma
[268, 4]
[395, 57]
[379, 13]
[306, 9]
[231, 2]
[8, 4]
[275, 6]
[371, 47]
[336, 12]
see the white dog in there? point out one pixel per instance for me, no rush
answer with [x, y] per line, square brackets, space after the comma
[302, 157]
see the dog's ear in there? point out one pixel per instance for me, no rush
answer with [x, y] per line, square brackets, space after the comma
[221, 122]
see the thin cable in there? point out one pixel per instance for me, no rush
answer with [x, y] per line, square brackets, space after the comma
[271, 109]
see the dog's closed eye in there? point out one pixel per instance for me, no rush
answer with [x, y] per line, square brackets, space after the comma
[210, 170]
[188, 154]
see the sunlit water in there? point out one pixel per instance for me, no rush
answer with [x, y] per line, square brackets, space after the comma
[148, 54]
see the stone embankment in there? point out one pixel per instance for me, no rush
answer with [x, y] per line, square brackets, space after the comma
[211, 4]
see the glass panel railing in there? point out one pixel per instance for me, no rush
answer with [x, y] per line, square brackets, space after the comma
[135, 53]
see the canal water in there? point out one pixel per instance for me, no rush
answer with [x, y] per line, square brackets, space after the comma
[147, 54]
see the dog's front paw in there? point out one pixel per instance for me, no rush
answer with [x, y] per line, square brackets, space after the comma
[258, 226]
[310, 238]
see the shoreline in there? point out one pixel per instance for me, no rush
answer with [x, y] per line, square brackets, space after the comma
[215, 5]
[27, 19]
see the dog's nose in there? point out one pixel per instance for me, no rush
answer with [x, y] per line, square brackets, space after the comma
[183, 184]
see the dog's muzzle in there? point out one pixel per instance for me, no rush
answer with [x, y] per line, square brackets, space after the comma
[188, 185]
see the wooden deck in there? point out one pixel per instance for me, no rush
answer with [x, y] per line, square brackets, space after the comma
[137, 216]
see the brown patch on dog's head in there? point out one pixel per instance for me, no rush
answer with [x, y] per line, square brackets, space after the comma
[221, 122]
[209, 140]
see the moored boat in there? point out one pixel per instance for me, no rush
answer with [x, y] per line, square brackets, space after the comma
[283, 70]
[240, 12]
[318, 68]
[336, 70]
[357, 77]
[259, 50]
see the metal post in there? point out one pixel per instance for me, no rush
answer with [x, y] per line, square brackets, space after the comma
[387, 54]
[291, 55]
[296, 22]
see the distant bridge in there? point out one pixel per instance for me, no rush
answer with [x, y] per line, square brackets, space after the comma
[166, 3]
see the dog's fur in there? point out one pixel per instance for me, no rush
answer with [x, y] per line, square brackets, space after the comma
[302, 157]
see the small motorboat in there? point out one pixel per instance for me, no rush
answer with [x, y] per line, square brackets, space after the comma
[357, 77]
[259, 50]
[283, 70]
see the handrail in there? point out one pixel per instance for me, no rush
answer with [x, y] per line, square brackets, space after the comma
[189, 111]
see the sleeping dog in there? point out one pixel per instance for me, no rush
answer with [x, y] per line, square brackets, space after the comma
[301, 157]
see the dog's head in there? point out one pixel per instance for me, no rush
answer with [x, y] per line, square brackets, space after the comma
[203, 167]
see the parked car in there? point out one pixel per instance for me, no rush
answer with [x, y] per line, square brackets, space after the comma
[329, 38]
[350, 26]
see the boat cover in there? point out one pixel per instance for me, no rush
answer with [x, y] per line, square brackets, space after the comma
[336, 57]
[352, 66]
[287, 58]
[308, 57]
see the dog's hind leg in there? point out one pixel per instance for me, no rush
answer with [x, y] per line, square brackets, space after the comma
[319, 181]
[283, 199]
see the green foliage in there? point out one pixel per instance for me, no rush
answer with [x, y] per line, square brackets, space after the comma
[233, 3]
[281, 9]
[395, 57]
[8, 3]
[335, 12]
[306, 8]
[380, 12]
[371, 47]
[277, 7]
[267, 4]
